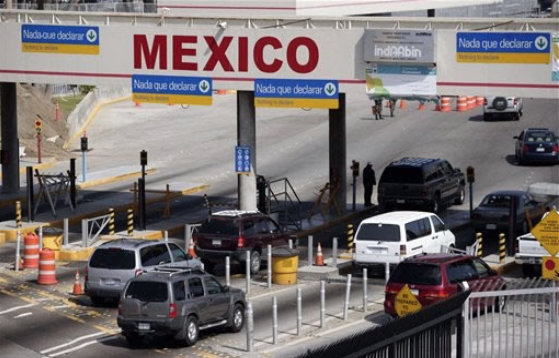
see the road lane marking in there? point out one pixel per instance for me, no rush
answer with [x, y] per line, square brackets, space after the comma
[17, 308]
[23, 314]
[83, 345]
[71, 342]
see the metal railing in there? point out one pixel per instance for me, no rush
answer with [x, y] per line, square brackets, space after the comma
[92, 228]
[282, 199]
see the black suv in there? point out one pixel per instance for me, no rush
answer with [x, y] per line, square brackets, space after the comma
[178, 302]
[232, 233]
[423, 182]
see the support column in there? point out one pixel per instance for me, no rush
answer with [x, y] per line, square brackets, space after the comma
[10, 141]
[337, 152]
[246, 136]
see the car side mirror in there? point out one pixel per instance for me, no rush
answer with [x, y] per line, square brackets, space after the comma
[515, 137]
[226, 289]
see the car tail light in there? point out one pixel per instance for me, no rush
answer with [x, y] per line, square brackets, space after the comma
[485, 101]
[555, 148]
[525, 148]
[172, 310]
[515, 102]
[240, 242]
[138, 272]
[390, 290]
[403, 250]
[435, 295]
[86, 274]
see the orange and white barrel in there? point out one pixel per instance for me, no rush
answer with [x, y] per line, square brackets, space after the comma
[30, 250]
[480, 101]
[471, 102]
[445, 104]
[462, 104]
[47, 268]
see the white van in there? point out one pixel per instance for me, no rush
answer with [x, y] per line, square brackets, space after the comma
[397, 235]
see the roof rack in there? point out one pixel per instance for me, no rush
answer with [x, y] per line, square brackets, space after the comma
[173, 270]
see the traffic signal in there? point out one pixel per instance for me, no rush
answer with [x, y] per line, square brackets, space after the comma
[143, 157]
[355, 168]
[38, 124]
[470, 175]
[84, 144]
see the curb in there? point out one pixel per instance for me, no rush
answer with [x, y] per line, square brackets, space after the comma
[102, 181]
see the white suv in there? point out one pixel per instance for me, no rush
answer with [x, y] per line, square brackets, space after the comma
[502, 106]
[397, 235]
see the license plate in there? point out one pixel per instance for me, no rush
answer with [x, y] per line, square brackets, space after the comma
[414, 292]
[216, 242]
[109, 282]
[540, 149]
[491, 227]
[400, 201]
[143, 326]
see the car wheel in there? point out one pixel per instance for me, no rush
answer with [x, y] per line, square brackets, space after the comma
[237, 319]
[133, 339]
[436, 204]
[500, 103]
[461, 196]
[255, 262]
[191, 331]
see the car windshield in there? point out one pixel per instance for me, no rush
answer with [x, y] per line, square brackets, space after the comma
[379, 232]
[222, 227]
[497, 200]
[540, 137]
[113, 258]
[146, 291]
[409, 175]
[417, 274]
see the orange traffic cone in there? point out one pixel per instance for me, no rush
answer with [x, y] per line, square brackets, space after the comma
[137, 104]
[191, 250]
[421, 106]
[319, 258]
[402, 104]
[77, 286]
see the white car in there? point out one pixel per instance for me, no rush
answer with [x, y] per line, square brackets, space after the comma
[394, 236]
[502, 106]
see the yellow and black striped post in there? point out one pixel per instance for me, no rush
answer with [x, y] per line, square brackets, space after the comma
[18, 214]
[111, 221]
[130, 222]
[502, 248]
[479, 240]
[350, 238]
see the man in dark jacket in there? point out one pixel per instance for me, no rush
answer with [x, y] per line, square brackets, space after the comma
[369, 181]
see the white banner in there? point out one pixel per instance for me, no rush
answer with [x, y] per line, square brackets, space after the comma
[401, 81]
[555, 57]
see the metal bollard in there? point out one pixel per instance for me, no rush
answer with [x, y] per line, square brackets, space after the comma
[111, 221]
[269, 266]
[18, 214]
[247, 275]
[479, 240]
[66, 231]
[309, 251]
[335, 251]
[386, 271]
[502, 248]
[227, 270]
[166, 235]
[40, 237]
[350, 238]
[365, 296]
[347, 293]
[274, 320]
[250, 327]
[322, 303]
[290, 243]
[18, 246]
[85, 233]
[187, 237]
[299, 311]
[130, 222]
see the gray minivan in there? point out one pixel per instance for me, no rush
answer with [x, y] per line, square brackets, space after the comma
[115, 262]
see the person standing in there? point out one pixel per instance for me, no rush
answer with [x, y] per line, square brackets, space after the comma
[377, 108]
[369, 180]
[392, 103]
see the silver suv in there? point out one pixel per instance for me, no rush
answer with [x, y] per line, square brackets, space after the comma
[115, 262]
[177, 302]
[503, 106]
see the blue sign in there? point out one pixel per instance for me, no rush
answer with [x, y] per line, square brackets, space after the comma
[287, 93]
[172, 89]
[242, 159]
[503, 47]
[60, 39]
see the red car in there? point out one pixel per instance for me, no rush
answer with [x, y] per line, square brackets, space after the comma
[434, 277]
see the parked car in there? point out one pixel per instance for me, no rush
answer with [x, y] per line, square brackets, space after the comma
[493, 213]
[178, 302]
[539, 145]
[115, 262]
[232, 233]
[501, 106]
[420, 182]
[397, 235]
[435, 277]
